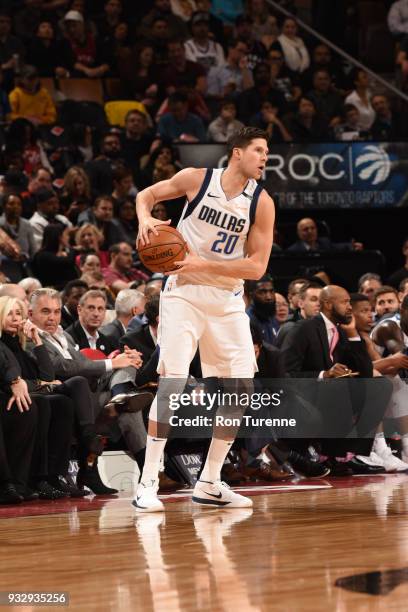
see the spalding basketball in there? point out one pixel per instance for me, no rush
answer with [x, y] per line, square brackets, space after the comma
[164, 250]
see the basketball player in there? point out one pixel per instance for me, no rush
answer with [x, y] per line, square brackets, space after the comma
[228, 224]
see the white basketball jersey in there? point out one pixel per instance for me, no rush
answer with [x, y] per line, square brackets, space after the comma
[216, 228]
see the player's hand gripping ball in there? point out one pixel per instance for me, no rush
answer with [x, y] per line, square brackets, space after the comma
[164, 249]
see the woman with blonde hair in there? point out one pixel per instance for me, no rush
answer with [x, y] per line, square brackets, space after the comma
[59, 403]
[88, 239]
[76, 194]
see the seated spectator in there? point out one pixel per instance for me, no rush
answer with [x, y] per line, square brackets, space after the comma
[49, 462]
[296, 54]
[5, 108]
[76, 193]
[397, 276]
[112, 16]
[54, 263]
[47, 212]
[71, 294]
[162, 8]
[368, 284]
[159, 211]
[200, 47]
[29, 284]
[23, 136]
[267, 119]
[234, 76]
[262, 310]
[386, 302]
[281, 77]
[180, 125]
[91, 314]
[89, 58]
[403, 289]
[256, 49]
[157, 37]
[142, 78]
[95, 281]
[348, 128]
[121, 273]
[101, 215]
[12, 50]
[128, 304]
[16, 227]
[226, 124]
[88, 239]
[306, 125]
[251, 100]
[398, 18]
[125, 219]
[162, 162]
[123, 185]
[309, 240]
[183, 8]
[216, 25]
[18, 421]
[30, 100]
[322, 59]
[50, 58]
[309, 306]
[89, 262]
[180, 72]
[328, 103]
[361, 99]
[264, 25]
[100, 169]
[387, 125]
[137, 139]
[144, 339]
[282, 309]
[40, 179]
[293, 295]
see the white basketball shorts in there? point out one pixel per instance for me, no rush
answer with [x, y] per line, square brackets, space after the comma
[210, 318]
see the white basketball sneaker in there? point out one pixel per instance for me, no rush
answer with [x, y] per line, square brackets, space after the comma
[390, 462]
[146, 499]
[218, 494]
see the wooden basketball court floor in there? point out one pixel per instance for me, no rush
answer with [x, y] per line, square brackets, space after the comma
[337, 544]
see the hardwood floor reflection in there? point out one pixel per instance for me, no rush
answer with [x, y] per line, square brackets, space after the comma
[285, 554]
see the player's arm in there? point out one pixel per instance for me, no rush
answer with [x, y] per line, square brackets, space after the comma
[389, 335]
[186, 182]
[259, 245]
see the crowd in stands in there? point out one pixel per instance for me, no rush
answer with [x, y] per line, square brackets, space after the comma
[79, 312]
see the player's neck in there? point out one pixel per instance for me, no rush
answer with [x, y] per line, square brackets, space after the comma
[233, 182]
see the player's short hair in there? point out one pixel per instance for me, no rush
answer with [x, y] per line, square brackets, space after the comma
[355, 298]
[243, 137]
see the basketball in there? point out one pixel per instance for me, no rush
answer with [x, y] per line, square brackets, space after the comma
[164, 250]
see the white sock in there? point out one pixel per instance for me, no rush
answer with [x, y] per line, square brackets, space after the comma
[404, 441]
[215, 459]
[380, 445]
[154, 451]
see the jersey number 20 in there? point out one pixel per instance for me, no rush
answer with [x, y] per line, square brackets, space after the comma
[225, 244]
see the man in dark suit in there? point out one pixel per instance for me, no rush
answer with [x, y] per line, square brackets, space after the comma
[91, 313]
[145, 339]
[328, 347]
[128, 304]
[309, 240]
[71, 295]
